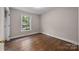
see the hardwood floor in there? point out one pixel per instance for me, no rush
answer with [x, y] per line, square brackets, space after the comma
[39, 42]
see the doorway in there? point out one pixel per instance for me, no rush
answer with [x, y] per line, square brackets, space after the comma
[7, 24]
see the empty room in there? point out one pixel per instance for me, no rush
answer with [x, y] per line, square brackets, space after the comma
[39, 28]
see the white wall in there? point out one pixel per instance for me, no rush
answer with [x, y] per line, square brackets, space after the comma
[1, 23]
[16, 23]
[78, 26]
[61, 23]
[2, 36]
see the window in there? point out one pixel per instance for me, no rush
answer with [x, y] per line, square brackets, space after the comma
[25, 23]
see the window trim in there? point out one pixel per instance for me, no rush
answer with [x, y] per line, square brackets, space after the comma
[29, 22]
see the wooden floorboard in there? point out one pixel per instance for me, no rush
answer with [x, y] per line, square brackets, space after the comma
[39, 42]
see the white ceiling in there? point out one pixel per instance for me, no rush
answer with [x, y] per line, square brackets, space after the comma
[35, 10]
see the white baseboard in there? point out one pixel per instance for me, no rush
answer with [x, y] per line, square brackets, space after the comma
[23, 35]
[73, 42]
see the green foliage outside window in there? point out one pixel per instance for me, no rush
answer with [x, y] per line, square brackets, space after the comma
[26, 23]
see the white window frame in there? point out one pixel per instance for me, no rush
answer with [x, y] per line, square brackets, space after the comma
[22, 30]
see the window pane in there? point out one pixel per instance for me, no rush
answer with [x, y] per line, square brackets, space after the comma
[25, 23]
